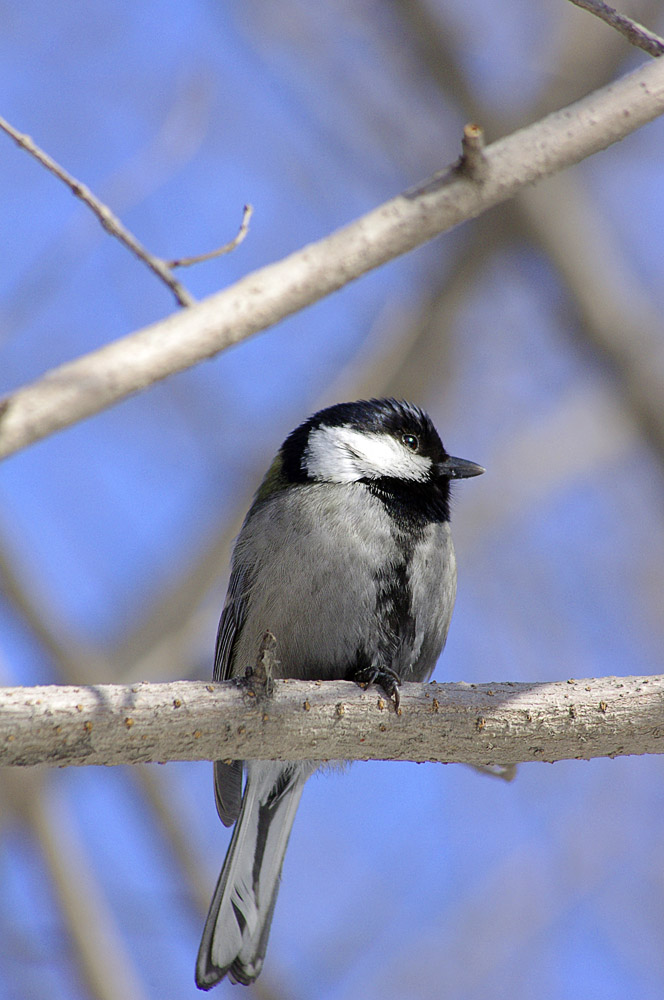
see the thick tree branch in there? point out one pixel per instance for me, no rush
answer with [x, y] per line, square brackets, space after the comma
[93, 382]
[190, 720]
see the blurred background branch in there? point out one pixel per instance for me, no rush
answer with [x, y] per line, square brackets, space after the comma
[635, 33]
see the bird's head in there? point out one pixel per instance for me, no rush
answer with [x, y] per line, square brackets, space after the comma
[371, 441]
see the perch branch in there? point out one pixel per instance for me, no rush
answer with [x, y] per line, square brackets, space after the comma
[481, 724]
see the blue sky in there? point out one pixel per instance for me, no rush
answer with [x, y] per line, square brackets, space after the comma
[401, 880]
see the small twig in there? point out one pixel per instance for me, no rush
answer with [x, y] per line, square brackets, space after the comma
[634, 32]
[108, 220]
[473, 162]
[227, 247]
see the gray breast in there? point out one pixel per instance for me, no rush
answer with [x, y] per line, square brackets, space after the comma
[433, 579]
[320, 553]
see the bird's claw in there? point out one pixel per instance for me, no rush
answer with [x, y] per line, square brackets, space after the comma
[385, 677]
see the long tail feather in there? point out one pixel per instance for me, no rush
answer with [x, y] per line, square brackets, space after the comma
[238, 924]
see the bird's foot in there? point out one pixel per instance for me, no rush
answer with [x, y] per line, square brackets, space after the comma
[385, 677]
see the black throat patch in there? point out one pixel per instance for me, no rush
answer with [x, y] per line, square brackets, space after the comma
[412, 505]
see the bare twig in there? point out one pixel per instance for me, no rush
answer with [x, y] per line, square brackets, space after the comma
[109, 221]
[149, 167]
[96, 381]
[499, 723]
[473, 163]
[227, 247]
[634, 32]
[584, 60]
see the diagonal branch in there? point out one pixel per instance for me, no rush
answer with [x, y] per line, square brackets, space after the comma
[90, 384]
[109, 221]
[500, 723]
[634, 32]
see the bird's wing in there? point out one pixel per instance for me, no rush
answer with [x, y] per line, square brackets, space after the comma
[230, 624]
[228, 775]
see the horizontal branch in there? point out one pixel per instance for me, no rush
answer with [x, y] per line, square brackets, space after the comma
[95, 381]
[334, 720]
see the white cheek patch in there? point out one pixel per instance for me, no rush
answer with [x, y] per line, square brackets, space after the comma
[344, 455]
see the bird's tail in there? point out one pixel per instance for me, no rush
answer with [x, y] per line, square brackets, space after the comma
[238, 924]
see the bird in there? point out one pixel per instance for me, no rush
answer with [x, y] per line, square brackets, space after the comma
[346, 557]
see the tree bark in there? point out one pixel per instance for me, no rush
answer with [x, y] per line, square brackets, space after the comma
[500, 723]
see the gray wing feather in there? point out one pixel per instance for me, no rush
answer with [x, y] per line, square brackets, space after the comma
[228, 776]
[230, 624]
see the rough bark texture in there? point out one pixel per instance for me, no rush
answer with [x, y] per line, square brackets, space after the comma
[498, 723]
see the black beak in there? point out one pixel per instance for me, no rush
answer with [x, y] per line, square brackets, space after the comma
[459, 468]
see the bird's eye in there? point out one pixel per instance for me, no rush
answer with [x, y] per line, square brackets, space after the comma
[410, 442]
